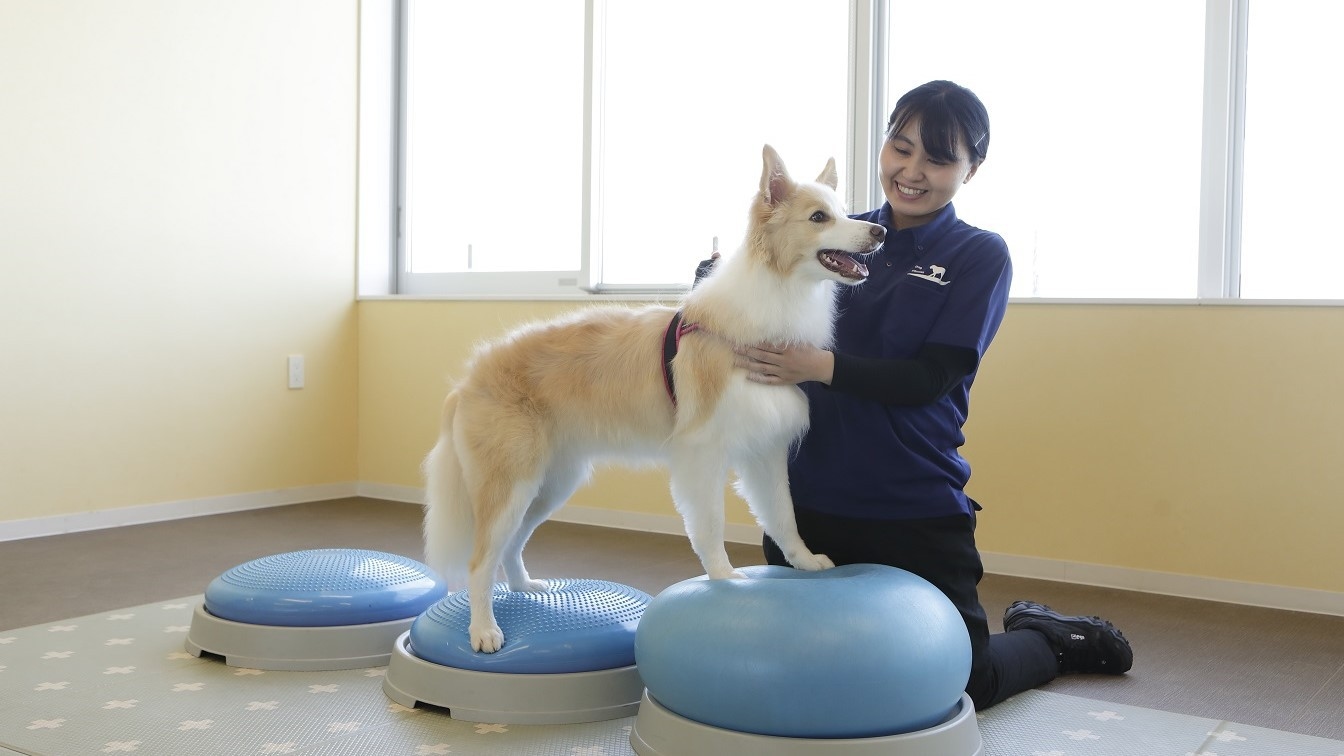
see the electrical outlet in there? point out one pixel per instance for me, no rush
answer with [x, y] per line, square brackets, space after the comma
[296, 371]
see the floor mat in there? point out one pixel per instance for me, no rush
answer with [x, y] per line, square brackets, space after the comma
[121, 682]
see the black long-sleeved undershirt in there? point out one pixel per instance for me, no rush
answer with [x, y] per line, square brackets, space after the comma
[922, 379]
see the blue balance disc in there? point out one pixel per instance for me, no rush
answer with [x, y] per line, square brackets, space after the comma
[312, 610]
[578, 625]
[324, 588]
[568, 656]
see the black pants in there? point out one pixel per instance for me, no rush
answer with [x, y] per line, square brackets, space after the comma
[942, 551]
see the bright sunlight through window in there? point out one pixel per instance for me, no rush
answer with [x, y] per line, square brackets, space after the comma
[553, 146]
[1095, 113]
[1289, 182]
[494, 136]
[686, 97]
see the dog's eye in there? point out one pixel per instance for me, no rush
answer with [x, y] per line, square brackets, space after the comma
[819, 217]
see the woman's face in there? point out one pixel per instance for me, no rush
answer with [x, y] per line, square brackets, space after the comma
[918, 185]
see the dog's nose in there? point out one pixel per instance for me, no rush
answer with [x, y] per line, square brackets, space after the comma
[877, 232]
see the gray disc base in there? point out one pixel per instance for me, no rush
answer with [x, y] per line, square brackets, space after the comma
[507, 698]
[660, 732]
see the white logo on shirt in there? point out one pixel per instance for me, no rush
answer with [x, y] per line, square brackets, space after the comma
[935, 274]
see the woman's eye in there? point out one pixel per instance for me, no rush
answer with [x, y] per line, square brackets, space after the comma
[819, 217]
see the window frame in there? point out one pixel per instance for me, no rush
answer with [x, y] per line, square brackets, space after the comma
[382, 261]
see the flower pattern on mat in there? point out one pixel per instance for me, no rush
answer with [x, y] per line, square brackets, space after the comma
[75, 685]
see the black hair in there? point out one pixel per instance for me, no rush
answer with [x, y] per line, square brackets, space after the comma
[947, 113]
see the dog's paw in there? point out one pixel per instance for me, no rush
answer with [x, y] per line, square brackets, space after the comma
[812, 562]
[530, 586]
[727, 575]
[486, 640]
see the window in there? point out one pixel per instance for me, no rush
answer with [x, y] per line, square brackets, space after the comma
[670, 114]
[1093, 173]
[556, 147]
[689, 103]
[492, 152]
[1289, 185]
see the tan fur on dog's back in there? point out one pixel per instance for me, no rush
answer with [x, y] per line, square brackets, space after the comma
[537, 407]
[576, 373]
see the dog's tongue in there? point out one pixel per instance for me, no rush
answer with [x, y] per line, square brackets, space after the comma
[844, 264]
[859, 269]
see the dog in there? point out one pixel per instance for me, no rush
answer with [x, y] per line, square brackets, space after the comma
[521, 431]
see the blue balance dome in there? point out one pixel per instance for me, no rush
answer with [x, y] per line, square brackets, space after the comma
[859, 651]
[324, 588]
[579, 625]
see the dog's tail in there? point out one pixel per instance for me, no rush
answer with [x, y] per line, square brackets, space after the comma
[448, 522]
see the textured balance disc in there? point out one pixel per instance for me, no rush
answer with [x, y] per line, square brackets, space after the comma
[568, 656]
[320, 609]
[660, 732]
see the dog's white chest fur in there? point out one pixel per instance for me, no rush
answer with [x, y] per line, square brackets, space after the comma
[754, 417]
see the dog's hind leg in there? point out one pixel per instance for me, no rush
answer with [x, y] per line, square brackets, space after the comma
[500, 508]
[562, 479]
[698, 475]
[763, 480]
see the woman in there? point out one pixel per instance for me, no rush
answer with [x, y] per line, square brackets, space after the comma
[878, 478]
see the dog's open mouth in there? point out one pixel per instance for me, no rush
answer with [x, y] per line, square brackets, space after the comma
[842, 263]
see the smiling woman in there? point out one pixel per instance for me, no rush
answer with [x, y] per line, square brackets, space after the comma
[929, 154]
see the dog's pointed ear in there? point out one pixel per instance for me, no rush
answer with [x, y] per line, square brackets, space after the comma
[828, 175]
[776, 186]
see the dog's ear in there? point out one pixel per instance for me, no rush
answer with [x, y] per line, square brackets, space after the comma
[776, 186]
[828, 175]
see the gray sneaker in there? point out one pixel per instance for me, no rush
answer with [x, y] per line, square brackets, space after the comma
[1081, 644]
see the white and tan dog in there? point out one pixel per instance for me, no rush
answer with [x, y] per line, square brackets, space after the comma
[521, 431]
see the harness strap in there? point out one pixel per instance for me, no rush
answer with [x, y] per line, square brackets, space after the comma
[671, 341]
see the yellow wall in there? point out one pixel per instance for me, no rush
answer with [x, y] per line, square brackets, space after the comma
[1198, 440]
[1195, 440]
[177, 215]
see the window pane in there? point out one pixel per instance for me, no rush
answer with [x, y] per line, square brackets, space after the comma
[494, 130]
[1289, 184]
[1094, 162]
[692, 91]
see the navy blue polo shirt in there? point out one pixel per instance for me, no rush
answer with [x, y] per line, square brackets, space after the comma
[945, 282]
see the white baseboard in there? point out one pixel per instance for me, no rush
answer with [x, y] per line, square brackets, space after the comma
[669, 524]
[1122, 578]
[1081, 573]
[38, 527]
[389, 492]
[1168, 583]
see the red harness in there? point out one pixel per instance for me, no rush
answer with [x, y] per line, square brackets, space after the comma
[671, 341]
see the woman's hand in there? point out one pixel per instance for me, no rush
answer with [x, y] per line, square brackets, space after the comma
[779, 364]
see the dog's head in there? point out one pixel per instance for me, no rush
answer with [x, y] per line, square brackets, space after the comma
[802, 228]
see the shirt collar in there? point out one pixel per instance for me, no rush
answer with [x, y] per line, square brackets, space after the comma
[923, 236]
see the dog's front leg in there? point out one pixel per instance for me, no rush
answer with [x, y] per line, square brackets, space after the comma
[763, 480]
[698, 476]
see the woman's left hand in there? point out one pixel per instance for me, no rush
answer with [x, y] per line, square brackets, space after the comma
[778, 364]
